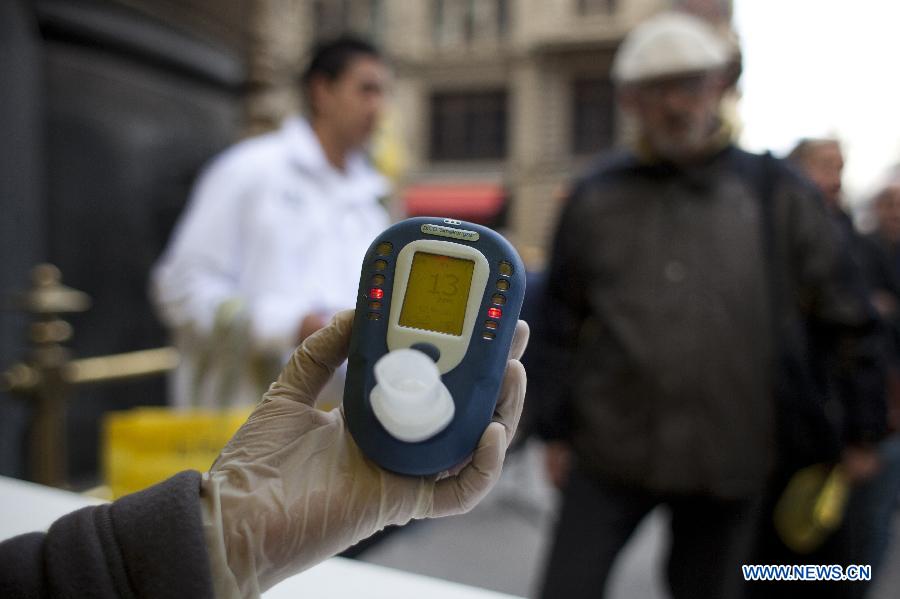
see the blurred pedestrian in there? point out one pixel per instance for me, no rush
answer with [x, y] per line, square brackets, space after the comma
[683, 269]
[886, 238]
[271, 243]
[876, 502]
[886, 241]
[822, 161]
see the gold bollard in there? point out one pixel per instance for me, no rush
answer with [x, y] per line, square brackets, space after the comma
[49, 372]
[42, 377]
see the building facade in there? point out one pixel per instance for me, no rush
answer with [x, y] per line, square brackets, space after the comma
[493, 100]
[499, 100]
[513, 94]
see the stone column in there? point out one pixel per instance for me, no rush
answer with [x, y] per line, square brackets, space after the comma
[280, 33]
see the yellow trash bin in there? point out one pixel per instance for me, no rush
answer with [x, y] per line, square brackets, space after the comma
[144, 446]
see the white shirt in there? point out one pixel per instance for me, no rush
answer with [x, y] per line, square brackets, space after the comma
[273, 225]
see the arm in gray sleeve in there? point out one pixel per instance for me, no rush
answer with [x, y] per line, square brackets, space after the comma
[149, 544]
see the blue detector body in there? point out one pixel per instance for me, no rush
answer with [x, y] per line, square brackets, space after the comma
[411, 296]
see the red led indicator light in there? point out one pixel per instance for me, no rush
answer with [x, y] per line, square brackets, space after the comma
[375, 293]
[495, 312]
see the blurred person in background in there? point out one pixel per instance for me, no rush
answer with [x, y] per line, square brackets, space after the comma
[271, 243]
[867, 514]
[886, 236]
[885, 239]
[822, 161]
[876, 502]
[682, 273]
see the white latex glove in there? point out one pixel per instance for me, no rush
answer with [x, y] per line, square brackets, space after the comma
[291, 488]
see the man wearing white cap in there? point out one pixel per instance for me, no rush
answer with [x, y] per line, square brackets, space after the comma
[683, 271]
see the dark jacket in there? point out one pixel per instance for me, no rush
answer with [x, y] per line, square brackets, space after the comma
[149, 544]
[662, 286]
[881, 261]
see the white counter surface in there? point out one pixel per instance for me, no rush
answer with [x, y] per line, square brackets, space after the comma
[27, 507]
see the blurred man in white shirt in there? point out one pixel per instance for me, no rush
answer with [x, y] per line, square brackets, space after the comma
[271, 243]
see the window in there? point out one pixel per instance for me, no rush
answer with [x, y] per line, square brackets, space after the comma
[596, 7]
[469, 20]
[437, 21]
[593, 113]
[332, 18]
[502, 10]
[468, 125]
[460, 23]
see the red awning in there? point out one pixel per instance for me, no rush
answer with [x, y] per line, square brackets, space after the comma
[475, 202]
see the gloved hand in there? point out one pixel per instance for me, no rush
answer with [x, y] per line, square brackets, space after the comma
[291, 488]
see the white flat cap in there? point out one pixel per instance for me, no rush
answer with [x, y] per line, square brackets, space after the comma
[671, 43]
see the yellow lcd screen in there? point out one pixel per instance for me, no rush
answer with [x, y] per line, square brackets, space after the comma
[437, 293]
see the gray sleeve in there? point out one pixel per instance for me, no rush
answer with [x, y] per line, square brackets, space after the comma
[149, 544]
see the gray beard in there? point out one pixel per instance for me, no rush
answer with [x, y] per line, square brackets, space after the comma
[692, 143]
